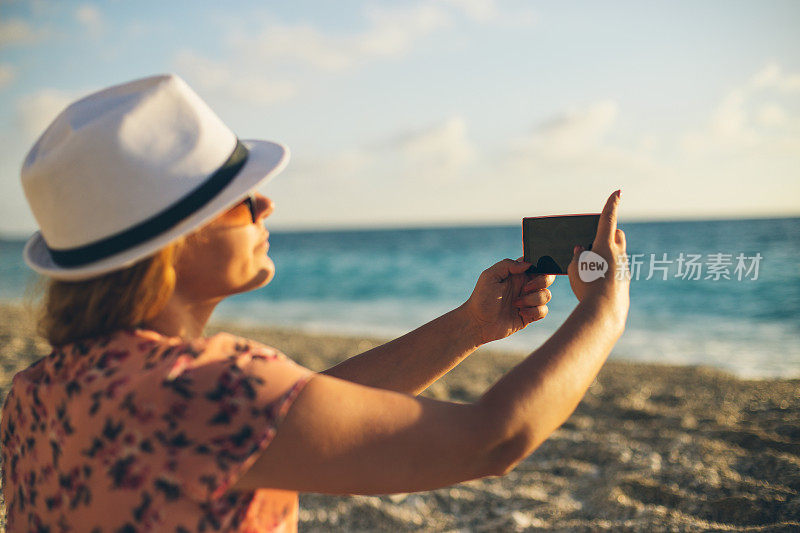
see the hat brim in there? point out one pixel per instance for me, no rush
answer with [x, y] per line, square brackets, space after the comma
[265, 160]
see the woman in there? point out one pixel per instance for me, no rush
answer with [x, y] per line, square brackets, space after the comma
[136, 422]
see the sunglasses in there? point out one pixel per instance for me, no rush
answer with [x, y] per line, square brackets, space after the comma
[250, 202]
[243, 213]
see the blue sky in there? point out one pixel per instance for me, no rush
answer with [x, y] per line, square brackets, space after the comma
[447, 111]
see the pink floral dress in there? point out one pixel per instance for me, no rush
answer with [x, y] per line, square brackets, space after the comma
[136, 431]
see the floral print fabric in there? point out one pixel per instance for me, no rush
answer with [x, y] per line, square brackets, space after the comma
[141, 432]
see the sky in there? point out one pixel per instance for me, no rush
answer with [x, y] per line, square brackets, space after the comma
[446, 112]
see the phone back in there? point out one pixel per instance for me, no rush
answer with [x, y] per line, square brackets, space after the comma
[547, 242]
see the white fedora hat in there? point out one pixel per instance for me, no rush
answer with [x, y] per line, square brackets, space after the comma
[121, 173]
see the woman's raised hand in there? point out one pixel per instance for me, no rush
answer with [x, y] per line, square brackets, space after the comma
[506, 299]
[609, 243]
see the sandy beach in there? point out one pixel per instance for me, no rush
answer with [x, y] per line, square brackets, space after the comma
[650, 448]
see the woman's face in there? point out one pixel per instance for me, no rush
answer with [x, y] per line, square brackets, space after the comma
[228, 255]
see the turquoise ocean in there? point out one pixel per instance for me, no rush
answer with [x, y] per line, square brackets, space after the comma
[721, 293]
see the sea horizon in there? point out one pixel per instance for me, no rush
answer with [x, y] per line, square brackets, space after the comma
[317, 227]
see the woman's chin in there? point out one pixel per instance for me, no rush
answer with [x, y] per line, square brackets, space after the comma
[266, 274]
[270, 268]
[268, 277]
[263, 275]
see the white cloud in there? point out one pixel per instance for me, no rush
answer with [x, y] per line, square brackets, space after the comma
[44, 8]
[278, 47]
[437, 154]
[394, 30]
[571, 143]
[345, 167]
[37, 110]
[17, 32]
[773, 77]
[573, 132]
[480, 10]
[411, 177]
[769, 75]
[440, 153]
[439, 174]
[301, 43]
[226, 79]
[7, 74]
[741, 119]
[390, 32]
[729, 119]
[648, 143]
[771, 114]
[488, 11]
[567, 164]
[90, 18]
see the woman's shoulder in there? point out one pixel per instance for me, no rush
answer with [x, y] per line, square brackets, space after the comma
[225, 352]
[228, 342]
[221, 345]
[138, 353]
[226, 349]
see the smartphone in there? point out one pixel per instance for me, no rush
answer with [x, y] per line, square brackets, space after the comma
[547, 242]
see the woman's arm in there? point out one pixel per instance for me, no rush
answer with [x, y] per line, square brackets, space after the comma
[411, 363]
[344, 438]
[340, 437]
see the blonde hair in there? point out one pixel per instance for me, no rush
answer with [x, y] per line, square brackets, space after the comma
[75, 310]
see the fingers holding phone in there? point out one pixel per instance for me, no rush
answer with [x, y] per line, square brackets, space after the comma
[589, 248]
[602, 271]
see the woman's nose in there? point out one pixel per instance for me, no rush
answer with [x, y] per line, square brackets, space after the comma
[264, 206]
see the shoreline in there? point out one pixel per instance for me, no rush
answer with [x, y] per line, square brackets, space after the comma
[744, 349]
[275, 334]
[650, 447]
